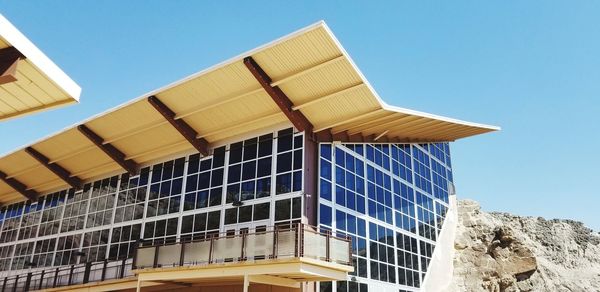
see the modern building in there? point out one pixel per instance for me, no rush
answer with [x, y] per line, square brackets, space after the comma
[278, 170]
[29, 81]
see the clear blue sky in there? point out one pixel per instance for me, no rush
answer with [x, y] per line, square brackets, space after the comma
[531, 67]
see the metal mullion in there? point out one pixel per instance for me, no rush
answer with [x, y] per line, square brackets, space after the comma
[302, 175]
[4, 219]
[394, 229]
[416, 206]
[146, 201]
[223, 205]
[183, 193]
[273, 194]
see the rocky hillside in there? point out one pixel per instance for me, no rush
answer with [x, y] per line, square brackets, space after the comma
[500, 252]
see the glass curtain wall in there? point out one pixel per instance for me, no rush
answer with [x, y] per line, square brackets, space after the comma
[392, 200]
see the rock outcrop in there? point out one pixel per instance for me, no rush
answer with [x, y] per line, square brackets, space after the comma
[500, 252]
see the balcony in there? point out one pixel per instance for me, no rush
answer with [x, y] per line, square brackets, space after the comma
[274, 256]
[278, 256]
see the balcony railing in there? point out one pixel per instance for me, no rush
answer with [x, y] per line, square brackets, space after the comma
[298, 241]
[66, 276]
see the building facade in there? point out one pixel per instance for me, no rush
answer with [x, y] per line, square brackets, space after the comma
[388, 194]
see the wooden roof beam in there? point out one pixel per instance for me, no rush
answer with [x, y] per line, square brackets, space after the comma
[19, 187]
[115, 154]
[58, 170]
[180, 125]
[283, 101]
[9, 59]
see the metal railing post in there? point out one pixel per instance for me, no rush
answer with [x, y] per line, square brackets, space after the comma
[181, 254]
[27, 281]
[135, 251]
[299, 242]
[275, 240]
[55, 278]
[42, 274]
[155, 264]
[86, 273]
[104, 266]
[349, 249]
[71, 274]
[122, 275]
[16, 284]
[210, 249]
[243, 253]
[4, 284]
[327, 245]
[296, 247]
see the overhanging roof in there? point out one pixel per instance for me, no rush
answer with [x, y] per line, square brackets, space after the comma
[33, 82]
[310, 67]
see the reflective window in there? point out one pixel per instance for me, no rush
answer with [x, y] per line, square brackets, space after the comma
[204, 185]
[289, 162]
[94, 245]
[75, 209]
[52, 213]
[201, 225]
[44, 252]
[123, 241]
[132, 196]
[22, 255]
[67, 249]
[165, 188]
[102, 202]
[161, 231]
[249, 171]
[30, 222]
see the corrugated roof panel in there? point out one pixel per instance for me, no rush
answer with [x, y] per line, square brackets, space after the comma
[11, 102]
[67, 143]
[297, 54]
[125, 120]
[229, 81]
[37, 177]
[341, 108]
[33, 88]
[80, 164]
[165, 150]
[233, 114]
[34, 75]
[326, 80]
[384, 123]
[142, 142]
[17, 162]
[23, 97]
[256, 125]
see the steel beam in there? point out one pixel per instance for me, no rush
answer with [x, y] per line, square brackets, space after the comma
[119, 157]
[283, 101]
[58, 170]
[19, 187]
[9, 59]
[180, 125]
